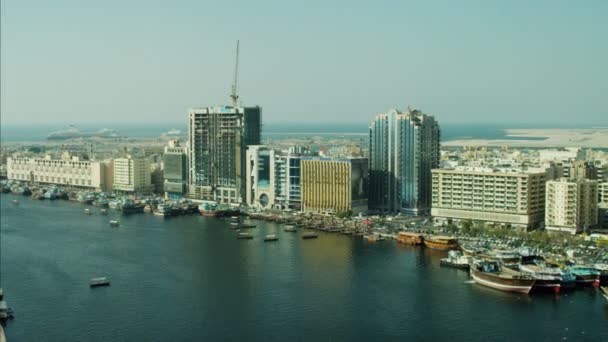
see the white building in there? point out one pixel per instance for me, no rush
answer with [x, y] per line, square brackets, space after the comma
[561, 154]
[571, 205]
[69, 172]
[132, 174]
[260, 171]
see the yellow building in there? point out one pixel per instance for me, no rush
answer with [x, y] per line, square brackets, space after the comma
[571, 205]
[334, 184]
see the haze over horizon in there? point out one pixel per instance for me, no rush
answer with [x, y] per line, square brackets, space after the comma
[149, 61]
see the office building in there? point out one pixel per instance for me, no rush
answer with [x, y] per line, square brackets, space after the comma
[508, 197]
[403, 148]
[175, 170]
[332, 185]
[132, 175]
[70, 172]
[571, 205]
[218, 140]
[261, 183]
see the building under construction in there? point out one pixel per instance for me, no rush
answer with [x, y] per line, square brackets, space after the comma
[218, 139]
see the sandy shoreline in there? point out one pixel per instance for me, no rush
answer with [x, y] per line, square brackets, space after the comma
[578, 137]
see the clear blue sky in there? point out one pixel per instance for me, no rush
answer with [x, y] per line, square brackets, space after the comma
[472, 61]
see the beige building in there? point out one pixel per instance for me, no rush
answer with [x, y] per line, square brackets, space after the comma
[571, 205]
[69, 172]
[260, 182]
[132, 174]
[334, 184]
[510, 197]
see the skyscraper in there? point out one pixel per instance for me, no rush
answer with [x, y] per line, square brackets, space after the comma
[403, 148]
[218, 138]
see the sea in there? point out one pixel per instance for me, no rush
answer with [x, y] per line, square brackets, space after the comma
[454, 131]
[189, 279]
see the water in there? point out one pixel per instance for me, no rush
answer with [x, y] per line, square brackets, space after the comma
[188, 278]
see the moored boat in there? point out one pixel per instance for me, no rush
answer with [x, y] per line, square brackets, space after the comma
[585, 275]
[455, 259]
[271, 237]
[410, 238]
[309, 235]
[603, 269]
[490, 274]
[244, 236]
[114, 223]
[290, 229]
[442, 243]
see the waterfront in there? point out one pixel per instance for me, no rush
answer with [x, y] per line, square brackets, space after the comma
[188, 278]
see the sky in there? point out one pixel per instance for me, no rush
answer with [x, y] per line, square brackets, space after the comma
[309, 61]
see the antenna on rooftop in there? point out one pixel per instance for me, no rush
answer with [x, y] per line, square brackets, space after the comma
[234, 96]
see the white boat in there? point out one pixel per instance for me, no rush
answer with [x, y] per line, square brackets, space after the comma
[271, 237]
[114, 223]
[101, 281]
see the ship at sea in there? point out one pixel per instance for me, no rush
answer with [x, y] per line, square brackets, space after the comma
[75, 133]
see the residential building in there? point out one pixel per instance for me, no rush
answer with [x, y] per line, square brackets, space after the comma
[218, 140]
[334, 184]
[561, 154]
[571, 205]
[580, 169]
[502, 196]
[132, 175]
[175, 170]
[403, 148]
[68, 172]
[288, 177]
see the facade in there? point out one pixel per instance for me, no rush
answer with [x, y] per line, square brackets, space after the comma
[603, 194]
[288, 177]
[132, 174]
[218, 140]
[580, 169]
[571, 205]
[175, 170]
[69, 172]
[516, 198]
[261, 183]
[403, 148]
[334, 185]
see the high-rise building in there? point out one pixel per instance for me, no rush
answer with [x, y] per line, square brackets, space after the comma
[261, 184]
[571, 205]
[132, 175]
[334, 184]
[403, 148]
[175, 167]
[218, 138]
[510, 197]
[581, 169]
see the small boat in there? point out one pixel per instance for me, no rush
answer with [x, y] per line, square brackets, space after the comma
[490, 274]
[5, 311]
[290, 229]
[15, 202]
[505, 256]
[455, 259]
[87, 211]
[114, 223]
[271, 237]
[604, 290]
[104, 212]
[442, 243]
[244, 236]
[309, 235]
[1, 293]
[101, 281]
[410, 238]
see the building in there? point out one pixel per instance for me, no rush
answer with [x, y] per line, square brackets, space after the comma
[561, 154]
[508, 197]
[603, 194]
[288, 177]
[68, 172]
[580, 169]
[403, 148]
[175, 170]
[218, 140]
[333, 185]
[571, 205]
[260, 171]
[132, 175]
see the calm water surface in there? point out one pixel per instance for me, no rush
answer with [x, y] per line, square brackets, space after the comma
[189, 279]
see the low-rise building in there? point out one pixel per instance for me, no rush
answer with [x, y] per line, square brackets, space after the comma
[502, 196]
[334, 184]
[571, 205]
[132, 175]
[69, 172]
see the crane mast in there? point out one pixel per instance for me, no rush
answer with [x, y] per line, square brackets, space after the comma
[234, 96]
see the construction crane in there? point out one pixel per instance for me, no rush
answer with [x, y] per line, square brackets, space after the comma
[234, 96]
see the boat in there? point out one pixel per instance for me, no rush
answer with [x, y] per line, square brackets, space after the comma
[114, 223]
[470, 250]
[212, 209]
[290, 229]
[585, 275]
[244, 236]
[101, 202]
[489, 273]
[547, 279]
[442, 243]
[5, 311]
[410, 238]
[101, 281]
[163, 210]
[129, 206]
[15, 202]
[271, 237]
[1, 293]
[87, 211]
[455, 259]
[38, 195]
[103, 212]
[247, 225]
[504, 256]
[603, 269]
[86, 198]
[309, 235]
[604, 291]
